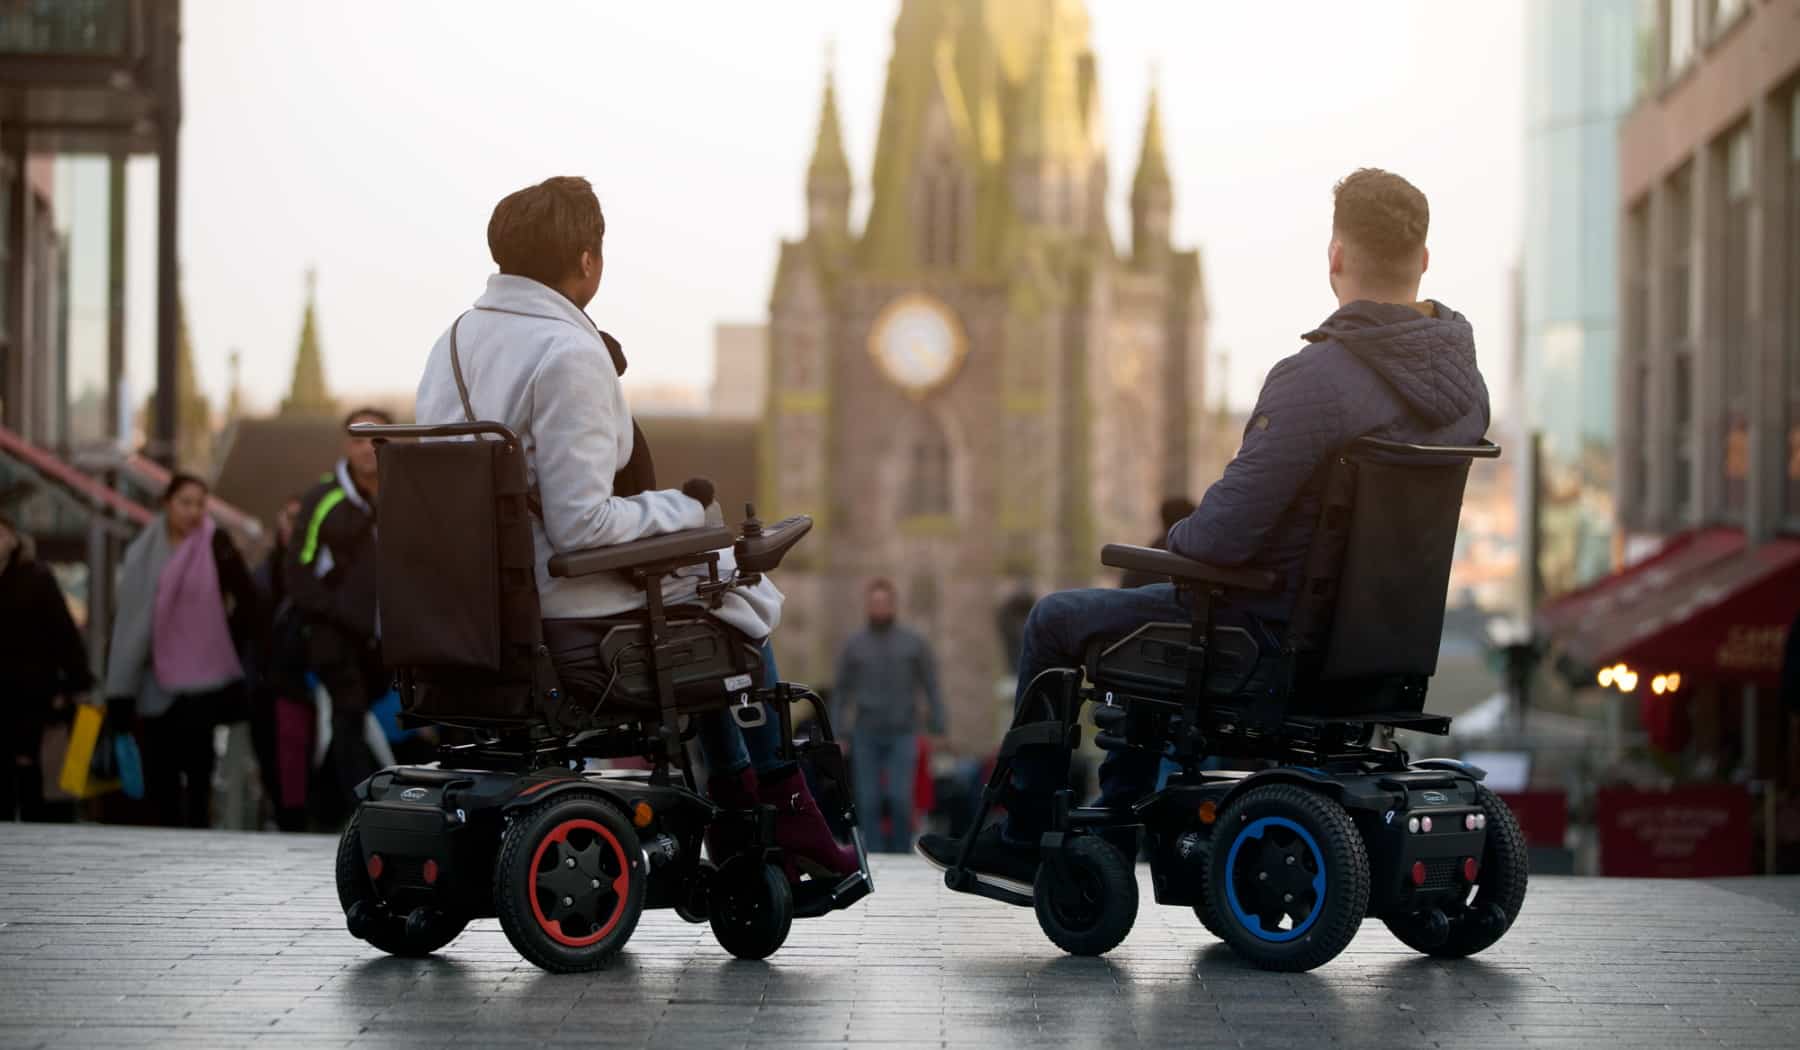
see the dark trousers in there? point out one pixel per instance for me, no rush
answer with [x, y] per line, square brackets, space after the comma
[350, 670]
[884, 766]
[178, 762]
[22, 787]
[1057, 634]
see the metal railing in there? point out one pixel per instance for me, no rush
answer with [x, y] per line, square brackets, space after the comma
[90, 28]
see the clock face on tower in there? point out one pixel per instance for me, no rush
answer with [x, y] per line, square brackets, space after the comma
[917, 342]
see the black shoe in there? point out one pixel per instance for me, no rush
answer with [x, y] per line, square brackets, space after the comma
[992, 860]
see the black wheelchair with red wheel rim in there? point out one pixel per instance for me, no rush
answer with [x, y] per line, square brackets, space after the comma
[1282, 862]
[513, 821]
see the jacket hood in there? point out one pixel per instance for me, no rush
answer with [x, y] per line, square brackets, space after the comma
[1428, 360]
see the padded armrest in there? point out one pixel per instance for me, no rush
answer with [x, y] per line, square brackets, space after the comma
[1162, 563]
[651, 551]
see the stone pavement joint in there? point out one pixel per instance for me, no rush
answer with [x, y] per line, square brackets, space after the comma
[128, 937]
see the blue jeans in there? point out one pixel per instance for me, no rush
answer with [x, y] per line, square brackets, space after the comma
[1057, 634]
[893, 758]
[729, 748]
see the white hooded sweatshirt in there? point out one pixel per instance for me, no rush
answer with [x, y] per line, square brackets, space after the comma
[535, 362]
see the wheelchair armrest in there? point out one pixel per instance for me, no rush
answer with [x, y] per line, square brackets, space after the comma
[655, 550]
[1162, 563]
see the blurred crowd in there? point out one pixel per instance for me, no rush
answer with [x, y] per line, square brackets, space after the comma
[232, 695]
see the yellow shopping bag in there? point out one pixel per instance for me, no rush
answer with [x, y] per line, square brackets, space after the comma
[79, 759]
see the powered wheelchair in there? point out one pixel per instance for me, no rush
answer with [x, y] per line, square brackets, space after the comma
[1282, 863]
[510, 822]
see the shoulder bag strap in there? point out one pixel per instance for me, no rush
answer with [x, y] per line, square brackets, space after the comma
[462, 387]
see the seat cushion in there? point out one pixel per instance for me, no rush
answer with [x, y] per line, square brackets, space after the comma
[604, 663]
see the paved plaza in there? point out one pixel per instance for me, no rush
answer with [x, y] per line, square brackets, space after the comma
[132, 937]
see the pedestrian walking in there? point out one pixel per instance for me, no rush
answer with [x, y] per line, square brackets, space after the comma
[186, 609]
[43, 670]
[883, 673]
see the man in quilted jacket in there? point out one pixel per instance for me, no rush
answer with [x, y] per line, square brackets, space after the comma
[1386, 363]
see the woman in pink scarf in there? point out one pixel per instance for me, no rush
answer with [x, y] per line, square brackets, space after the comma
[186, 606]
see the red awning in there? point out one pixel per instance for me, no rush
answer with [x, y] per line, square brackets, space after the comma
[1610, 596]
[1724, 618]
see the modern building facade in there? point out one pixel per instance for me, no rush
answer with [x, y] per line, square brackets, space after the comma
[1578, 86]
[1709, 177]
[975, 390]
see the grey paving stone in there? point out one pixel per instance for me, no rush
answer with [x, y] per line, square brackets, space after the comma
[130, 938]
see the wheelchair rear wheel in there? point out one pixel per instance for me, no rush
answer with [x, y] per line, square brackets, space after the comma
[370, 919]
[1090, 906]
[569, 882]
[751, 907]
[1289, 878]
[1499, 892]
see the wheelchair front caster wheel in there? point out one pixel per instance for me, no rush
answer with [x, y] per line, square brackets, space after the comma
[1086, 904]
[751, 907]
[569, 884]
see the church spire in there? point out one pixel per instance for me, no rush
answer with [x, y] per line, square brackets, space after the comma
[307, 395]
[1152, 193]
[828, 176]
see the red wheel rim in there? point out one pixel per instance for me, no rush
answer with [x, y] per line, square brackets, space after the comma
[559, 836]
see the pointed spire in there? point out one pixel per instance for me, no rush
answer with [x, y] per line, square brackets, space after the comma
[234, 397]
[307, 396]
[828, 159]
[1050, 122]
[1153, 163]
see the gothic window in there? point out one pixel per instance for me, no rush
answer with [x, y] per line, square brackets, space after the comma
[940, 191]
[928, 472]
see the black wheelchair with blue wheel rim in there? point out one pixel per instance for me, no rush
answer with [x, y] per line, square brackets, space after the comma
[1335, 823]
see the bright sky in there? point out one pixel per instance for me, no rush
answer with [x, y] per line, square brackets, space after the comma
[372, 139]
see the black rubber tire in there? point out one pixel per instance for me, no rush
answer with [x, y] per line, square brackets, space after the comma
[751, 907]
[520, 902]
[389, 933]
[1505, 870]
[1345, 864]
[1207, 914]
[1092, 915]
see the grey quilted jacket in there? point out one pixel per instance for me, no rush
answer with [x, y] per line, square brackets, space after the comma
[1378, 369]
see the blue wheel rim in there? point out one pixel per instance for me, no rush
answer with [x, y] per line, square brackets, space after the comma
[1252, 923]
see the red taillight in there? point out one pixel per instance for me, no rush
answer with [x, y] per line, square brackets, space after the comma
[431, 873]
[1470, 869]
[1418, 873]
[374, 865]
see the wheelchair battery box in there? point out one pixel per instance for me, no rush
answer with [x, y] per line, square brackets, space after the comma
[417, 822]
[1417, 828]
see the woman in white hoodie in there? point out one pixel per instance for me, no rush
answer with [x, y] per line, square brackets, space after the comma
[529, 357]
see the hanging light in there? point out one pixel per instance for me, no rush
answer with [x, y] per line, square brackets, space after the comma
[1605, 677]
[1660, 684]
[1674, 680]
[1628, 681]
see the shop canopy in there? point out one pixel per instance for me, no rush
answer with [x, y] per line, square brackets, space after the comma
[1708, 605]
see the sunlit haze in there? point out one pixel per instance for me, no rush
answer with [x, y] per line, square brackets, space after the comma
[371, 140]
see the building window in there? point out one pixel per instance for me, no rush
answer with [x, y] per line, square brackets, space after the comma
[1636, 368]
[1723, 14]
[1681, 35]
[1676, 291]
[1644, 56]
[1734, 305]
[928, 473]
[940, 190]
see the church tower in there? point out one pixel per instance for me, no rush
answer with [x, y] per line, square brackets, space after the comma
[307, 394]
[974, 391]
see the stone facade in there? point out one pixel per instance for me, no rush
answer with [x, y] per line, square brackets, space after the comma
[1064, 419]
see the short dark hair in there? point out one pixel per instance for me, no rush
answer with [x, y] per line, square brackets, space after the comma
[369, 413]
[882, 583]
[540, 231]
[1384, 217]
[182, 479]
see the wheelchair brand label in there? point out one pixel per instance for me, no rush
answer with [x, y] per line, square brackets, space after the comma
[413, 794]
[1434, 798]
[737, 682]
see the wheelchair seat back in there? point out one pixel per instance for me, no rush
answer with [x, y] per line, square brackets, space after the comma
[459, 611]
[1370, 614]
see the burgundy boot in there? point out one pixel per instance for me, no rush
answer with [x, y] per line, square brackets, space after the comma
[732, 791]
[800, 830]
